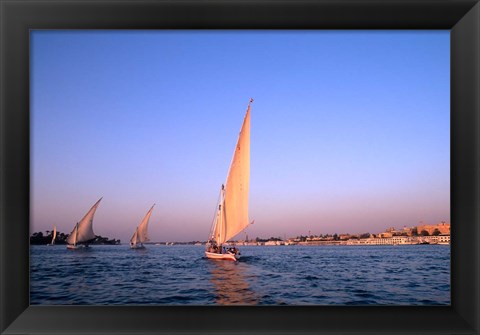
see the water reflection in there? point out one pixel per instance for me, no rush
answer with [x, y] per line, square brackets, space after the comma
[231, 286]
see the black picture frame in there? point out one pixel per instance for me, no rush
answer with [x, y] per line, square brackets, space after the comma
[18, 17]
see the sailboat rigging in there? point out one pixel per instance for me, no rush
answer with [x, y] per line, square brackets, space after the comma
[140, 235]
[83, 233]
[231, 216]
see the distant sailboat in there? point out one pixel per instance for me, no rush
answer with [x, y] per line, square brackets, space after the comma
[140, 235]
[54, 235]
[232, 211]
[83, 233]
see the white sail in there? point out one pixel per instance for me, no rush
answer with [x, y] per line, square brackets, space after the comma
[218, 230]
[141, 233]
[83, 230]
[134, 238]
[232, 216]
[54, 235]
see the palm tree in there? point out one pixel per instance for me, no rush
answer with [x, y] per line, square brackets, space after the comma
[424, 233]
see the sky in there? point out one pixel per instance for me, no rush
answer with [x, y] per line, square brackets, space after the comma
[350, 130]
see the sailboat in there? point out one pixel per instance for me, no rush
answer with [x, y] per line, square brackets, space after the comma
[141, 233]
[54, 235]
[83, 233]
[231, 216]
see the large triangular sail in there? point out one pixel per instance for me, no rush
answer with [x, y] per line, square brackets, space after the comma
[232, 215]
[83, 230]
[141, 233]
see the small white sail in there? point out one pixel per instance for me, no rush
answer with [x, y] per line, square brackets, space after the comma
[134, 238]
[54, 235]
[232, 216]
[141, 233]
[218, 230]
[83, 230]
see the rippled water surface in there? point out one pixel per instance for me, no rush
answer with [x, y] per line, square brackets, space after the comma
[293, 275]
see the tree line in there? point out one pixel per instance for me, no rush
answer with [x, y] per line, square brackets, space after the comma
[38, 238]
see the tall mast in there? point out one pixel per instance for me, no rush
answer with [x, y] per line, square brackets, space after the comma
[222, 212]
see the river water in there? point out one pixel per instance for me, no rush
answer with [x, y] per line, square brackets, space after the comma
[265, 275]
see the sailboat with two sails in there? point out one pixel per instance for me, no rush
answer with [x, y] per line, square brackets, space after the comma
[83, 233]
[231, 216]
[140, 235]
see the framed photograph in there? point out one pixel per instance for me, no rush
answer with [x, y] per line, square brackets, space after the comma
[353, 132]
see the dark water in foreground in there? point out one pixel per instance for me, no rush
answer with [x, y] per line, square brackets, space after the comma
[293, 275]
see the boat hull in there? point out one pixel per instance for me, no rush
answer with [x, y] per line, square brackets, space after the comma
[77, 247]
[228, 257]
[137, 247]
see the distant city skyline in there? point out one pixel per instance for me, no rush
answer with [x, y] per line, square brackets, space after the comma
[429, 228]
[350, 130]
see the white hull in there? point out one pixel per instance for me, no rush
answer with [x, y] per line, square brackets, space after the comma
[229, 257]
[77, 247]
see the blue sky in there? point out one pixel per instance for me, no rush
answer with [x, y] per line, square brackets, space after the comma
[350, 130]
